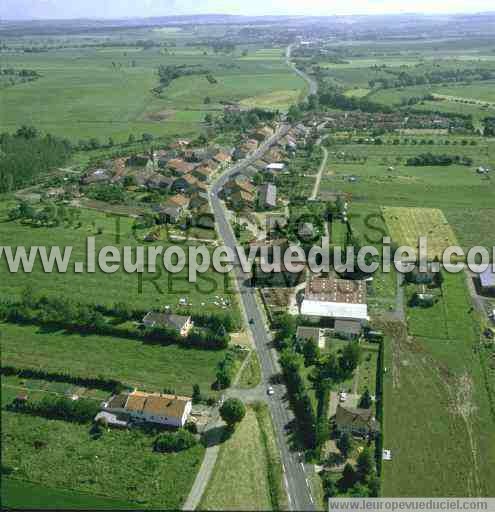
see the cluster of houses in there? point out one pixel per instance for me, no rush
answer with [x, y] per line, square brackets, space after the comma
[241, 193]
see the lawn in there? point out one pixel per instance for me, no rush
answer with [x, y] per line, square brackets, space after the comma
[120, 465]
[407, 225]
[251, 375]
[145, 366]
[437, 410]
[247, 474]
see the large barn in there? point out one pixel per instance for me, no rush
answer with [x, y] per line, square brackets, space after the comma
[339, 299]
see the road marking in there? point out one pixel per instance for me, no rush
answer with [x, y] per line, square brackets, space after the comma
[283, 467]
[307, 483]
[311, 498]
[302, 465]
[286, 482]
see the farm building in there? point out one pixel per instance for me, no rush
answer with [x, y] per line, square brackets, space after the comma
[182, 324]
[359, 422]
[275, 167]
[169, 410]
[328, 297]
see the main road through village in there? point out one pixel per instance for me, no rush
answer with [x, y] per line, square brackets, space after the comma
[296, 473]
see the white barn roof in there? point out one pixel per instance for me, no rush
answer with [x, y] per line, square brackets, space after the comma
[341, 310]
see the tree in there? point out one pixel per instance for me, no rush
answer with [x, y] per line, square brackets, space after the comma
[207, 100]
[349, 360]
[232, 412]
[348, 478]
[196, 395]
[364, 465]
[329, 486]
[365, 401]
[311, 352]
[345, 444]
[174, 441]
[131, 139]
[147, 137]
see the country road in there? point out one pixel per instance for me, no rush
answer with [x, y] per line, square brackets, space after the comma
[296, 472]
[313, 86]
[321, 170]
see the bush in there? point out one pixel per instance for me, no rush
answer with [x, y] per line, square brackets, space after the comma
[169, 442]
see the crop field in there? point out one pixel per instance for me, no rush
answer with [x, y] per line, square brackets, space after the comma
[149, 290]
[437, 370]
[121, 465]
[465, 198]
[407, 225]
[251, 452]
[145, 366]
[107, 92]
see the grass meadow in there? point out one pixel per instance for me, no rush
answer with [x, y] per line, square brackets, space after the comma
[107, 92]
[145, 366]
[251, 452]
[118, 469]
[437, 411]
[148, 290]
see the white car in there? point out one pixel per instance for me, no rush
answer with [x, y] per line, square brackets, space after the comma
[270, 391]
[342, 396]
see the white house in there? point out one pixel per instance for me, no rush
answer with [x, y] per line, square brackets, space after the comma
[169, 410]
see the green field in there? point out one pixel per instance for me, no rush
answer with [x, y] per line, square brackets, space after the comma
[241, 478]
[465, 198]
[145, 366]
[144, 291]
[18, 494]
[436, 405]
[120, 466]
[106, 92]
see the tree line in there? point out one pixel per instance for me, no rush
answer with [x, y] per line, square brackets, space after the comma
[82, 410]
[111, 385]
[27, 154]
[429, 159]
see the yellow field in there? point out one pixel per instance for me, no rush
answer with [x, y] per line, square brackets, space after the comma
[273, 100]
[406, 225]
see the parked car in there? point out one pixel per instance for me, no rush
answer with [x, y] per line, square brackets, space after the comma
[270, 391]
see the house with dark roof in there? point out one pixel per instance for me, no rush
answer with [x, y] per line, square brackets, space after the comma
[487, 280]
[267, 196]
[360, 422]
[308, 334]
[182, 324]
[348, 329]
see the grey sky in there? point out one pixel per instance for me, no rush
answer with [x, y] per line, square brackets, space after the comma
[25, 9]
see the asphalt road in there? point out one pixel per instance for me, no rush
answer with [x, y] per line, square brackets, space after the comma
[296, 474]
